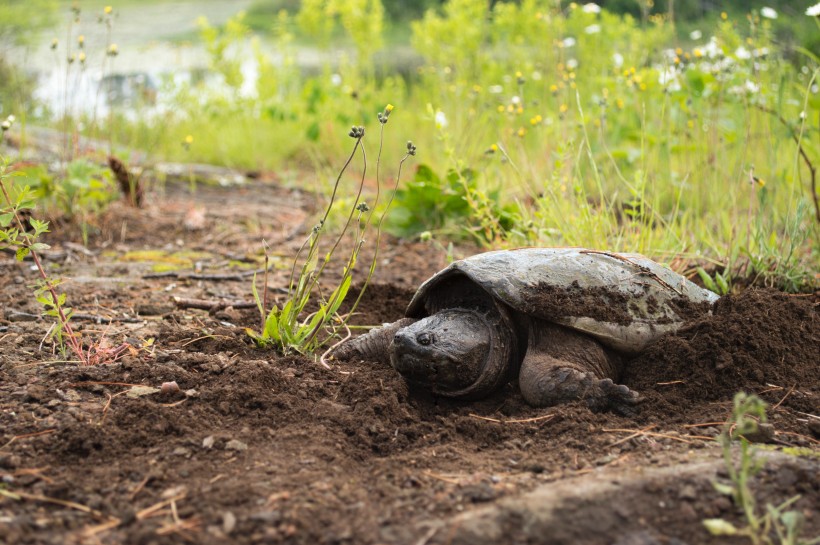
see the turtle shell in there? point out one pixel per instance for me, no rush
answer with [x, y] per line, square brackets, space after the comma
[623, 300]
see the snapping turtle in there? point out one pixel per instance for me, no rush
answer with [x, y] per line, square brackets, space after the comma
[561, 320]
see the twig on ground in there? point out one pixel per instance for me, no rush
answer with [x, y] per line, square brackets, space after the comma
[632, 436]
[139, 487]
[211, 305]
[663, 435]
[216, 277]
[440, 477]
[671, 382]
[17, 495]
[782, 399]
[514, 421]
[28, 435]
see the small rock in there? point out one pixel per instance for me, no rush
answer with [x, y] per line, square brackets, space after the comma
[228, 522]
[763, 434]
[191, 393]
[236, 444]
[208, 442]
[169, 387]
[181, 451]
[688, 492]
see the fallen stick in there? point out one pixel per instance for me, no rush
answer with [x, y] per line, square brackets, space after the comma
[513, 421]
[210, 305]
[203, 276]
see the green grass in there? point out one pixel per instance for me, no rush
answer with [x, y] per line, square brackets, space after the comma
[659, 149]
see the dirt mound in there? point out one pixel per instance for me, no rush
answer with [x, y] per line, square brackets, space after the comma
[759, 340]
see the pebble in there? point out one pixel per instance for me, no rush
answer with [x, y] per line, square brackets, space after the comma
[208, 442]
[688, 492]
[228, 522]
[236, 444]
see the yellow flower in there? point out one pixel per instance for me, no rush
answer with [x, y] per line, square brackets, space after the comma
[677, 60]
[642, 86]
[501, 108]
[521, 132]
[759, 181]
[691, 123]
[519, 75]
[113, 50]
[563, 108]
[620, 103]
[81, 40]
[553, 88]
[572, 85]
[698, 52]
[678, 51]
[520, 110]
[476, 88]
[494, 147]
[107, 10]
[388, 108]
[723, 15]
[189, 139]
[81, 56]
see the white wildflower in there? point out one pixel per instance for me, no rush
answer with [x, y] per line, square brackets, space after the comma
[742, 53]
[813, 11]
[591, 8]
[568, 42]
[712, 49]
[516, 100]
[496, 89]
[768, 13]
[695, 35]
[669, 79]
[572, 64]
[441, 120]
[618, 60]
[336, 80]
[593, 29]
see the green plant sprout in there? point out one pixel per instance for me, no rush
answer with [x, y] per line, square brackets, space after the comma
[287, 328]
[748, 411]
[13, 234]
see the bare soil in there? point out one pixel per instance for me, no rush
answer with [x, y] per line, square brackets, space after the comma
[262, 448]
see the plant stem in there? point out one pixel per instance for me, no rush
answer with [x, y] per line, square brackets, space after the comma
[64, 323]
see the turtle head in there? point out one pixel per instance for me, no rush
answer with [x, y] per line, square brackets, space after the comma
[455, 352]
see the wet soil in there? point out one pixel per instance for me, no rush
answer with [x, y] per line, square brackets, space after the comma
[257, 447]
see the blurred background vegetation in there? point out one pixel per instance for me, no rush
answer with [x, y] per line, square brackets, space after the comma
[668, 127]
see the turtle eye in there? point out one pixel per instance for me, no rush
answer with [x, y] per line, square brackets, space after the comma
[425, 339]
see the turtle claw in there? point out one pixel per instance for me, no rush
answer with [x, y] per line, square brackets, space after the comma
[617, 398]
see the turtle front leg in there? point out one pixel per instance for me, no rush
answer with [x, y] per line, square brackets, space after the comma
[562, 365]
[373, 345]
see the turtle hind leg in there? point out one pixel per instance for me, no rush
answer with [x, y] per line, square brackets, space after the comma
[562, 365]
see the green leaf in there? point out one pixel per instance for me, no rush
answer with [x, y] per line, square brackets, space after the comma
[708, 283]
[39, 246]
[725, 489]
[5, 219]
[720, 527]
[272, 325]
[22, 252]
